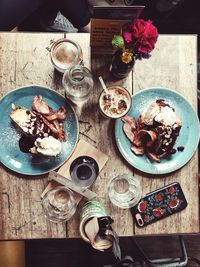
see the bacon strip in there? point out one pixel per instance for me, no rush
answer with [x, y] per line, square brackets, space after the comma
[129, 127]
[59, 115]
[40, 105]
[50, 118]
[145, 137]
[152, 156]
[57, 130]
[137, 150]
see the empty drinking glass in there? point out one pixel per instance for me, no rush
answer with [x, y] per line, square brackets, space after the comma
[59, 204]
[124, 191]
[78, 83]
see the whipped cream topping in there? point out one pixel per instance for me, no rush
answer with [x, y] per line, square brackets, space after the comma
[166, 116]
[48, 146]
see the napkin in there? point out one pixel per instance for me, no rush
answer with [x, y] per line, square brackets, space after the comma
[101, 235]
[83, 148]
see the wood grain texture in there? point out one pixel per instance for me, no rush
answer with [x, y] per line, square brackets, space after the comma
[24, 60]
[173, 65]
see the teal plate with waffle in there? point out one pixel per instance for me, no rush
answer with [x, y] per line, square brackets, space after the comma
[188, 137]
[10, 154]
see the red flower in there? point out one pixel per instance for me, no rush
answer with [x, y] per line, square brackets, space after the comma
[171, 190]
[141, 35]
[158, 212]
[142, 206]
[146, 218]
[159, 197]
[174, 203]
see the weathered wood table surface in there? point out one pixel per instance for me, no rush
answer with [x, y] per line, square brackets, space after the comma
[24, 60]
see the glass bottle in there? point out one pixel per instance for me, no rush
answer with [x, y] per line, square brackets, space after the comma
[78, 83]
[118, 68]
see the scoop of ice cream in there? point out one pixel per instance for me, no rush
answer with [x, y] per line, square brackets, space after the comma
[48, 146]
[166, 116]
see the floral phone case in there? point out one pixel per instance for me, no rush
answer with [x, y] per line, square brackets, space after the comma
[159, 204]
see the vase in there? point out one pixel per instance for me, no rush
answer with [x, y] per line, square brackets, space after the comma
[118, 68]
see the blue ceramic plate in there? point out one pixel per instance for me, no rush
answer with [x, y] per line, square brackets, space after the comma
[188, 138]
[11, 156]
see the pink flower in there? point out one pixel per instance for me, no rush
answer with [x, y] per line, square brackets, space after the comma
[127, 36]
[140, 35]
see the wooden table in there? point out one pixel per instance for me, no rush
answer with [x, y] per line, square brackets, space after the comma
[24, 60]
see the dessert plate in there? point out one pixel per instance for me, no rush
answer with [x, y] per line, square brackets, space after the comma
[11, 155]
[188, 137]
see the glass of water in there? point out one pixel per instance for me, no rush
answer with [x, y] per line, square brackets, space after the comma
[78, 83]
[124, 191]
[59, 204]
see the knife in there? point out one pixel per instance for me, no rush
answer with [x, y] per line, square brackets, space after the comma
[68, 183]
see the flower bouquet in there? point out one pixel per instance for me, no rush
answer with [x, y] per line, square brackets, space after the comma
[136, 41]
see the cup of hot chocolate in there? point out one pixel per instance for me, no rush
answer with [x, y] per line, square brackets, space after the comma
[115, 102]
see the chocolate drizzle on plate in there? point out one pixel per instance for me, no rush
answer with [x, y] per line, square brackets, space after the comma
[25, 143]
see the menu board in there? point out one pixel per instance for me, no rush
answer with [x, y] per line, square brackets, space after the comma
[107, 22]
[103, 30]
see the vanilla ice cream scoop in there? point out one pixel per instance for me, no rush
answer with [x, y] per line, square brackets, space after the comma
[48, 146]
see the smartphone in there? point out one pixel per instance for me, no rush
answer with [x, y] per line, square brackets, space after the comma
[159, 204]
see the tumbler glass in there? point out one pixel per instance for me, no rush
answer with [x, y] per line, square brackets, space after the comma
[78, 83]
[65, 53]
[124, 191]
[115, 102]
[59, 204]
[84, 171]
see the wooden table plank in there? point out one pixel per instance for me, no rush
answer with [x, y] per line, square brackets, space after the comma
[173, 65]
[101, 134]
[24, 60]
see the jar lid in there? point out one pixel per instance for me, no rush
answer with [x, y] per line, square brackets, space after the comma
[65, 53]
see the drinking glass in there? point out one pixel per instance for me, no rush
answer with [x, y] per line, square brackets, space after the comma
[115, 102]
[78, 83]
[84, 171]
[64, 53]
[124, 191]
[59, 204]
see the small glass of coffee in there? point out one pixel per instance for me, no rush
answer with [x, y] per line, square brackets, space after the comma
[115, 102]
